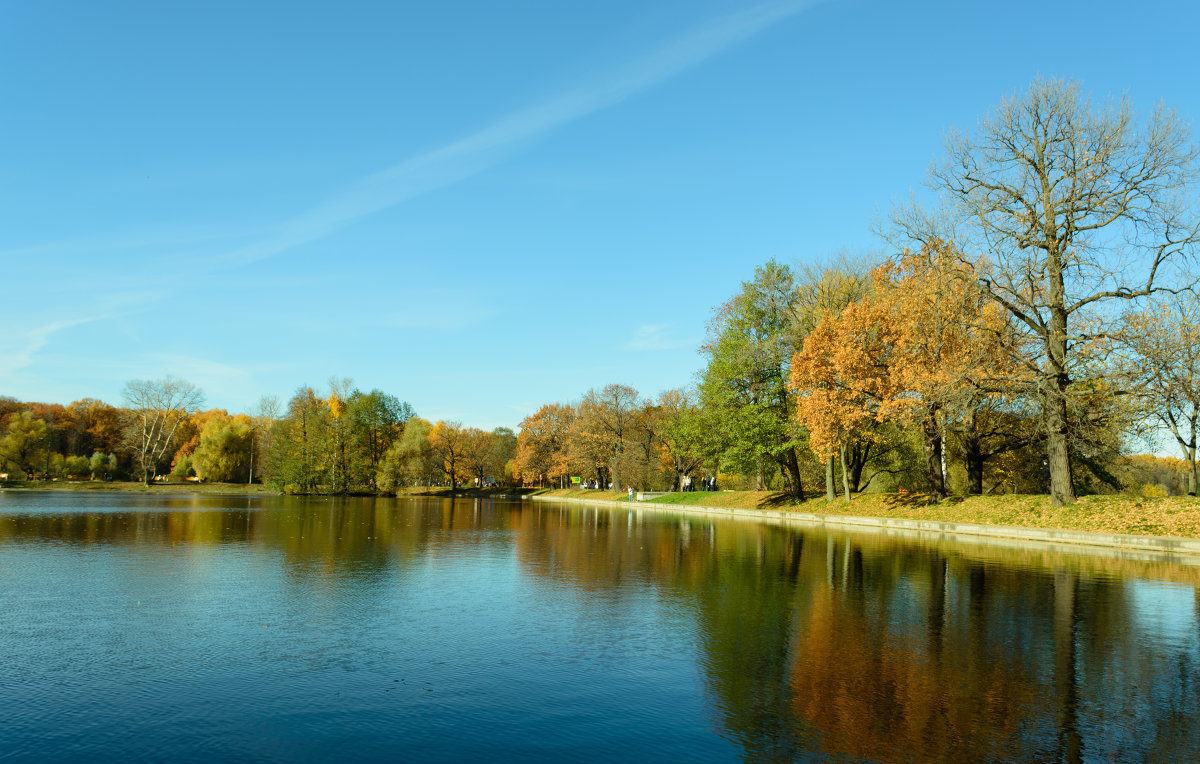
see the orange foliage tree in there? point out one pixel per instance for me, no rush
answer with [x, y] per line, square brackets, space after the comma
[448, 441]
[542, 444]
[916, 351]
[841, 377]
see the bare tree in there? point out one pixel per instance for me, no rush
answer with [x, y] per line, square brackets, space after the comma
[155, 410]
[1070, 209]
[1164, 341]
[614, 413]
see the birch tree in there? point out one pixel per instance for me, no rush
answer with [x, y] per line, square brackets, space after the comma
[155, 409]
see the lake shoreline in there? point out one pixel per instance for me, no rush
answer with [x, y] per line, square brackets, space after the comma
[937, 529]
[1095, 521]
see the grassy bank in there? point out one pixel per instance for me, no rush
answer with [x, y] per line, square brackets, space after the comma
[122, 485]
[1177, 516]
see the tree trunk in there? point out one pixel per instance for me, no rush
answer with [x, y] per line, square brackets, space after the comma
[858, 456]
[932, 442]
[973, 454]
[1194, 473]
[790, 467]
[1062, 487]
[845, 475]
[830, 481]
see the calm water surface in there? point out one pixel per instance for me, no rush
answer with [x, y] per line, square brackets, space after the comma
[209, 628]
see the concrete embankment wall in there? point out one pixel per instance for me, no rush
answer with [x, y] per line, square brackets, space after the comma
[1187, 550]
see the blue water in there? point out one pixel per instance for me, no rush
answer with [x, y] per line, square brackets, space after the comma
[205, 628]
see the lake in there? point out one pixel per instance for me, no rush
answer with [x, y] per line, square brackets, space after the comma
[208, 628]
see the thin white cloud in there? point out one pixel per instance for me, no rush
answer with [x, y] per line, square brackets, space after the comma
[655, 337]
[487, 147]
[123, 242]
[219, 381]
[199, 370]
[21, 349]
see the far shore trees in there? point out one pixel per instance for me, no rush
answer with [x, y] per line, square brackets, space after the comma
[610, 418]
[300, 440]
[102, 465]
[224, 452]
[542, 445]
[477, 453]
[682, 434]
[329, 443]
[503, 453]
[448, 441]
[1065, 210]
[1164, 340]
[377, 421]
[155, 410]
[266, 413]
[410, 460]
[23, 447]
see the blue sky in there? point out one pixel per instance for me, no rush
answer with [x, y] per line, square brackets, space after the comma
[479, 207]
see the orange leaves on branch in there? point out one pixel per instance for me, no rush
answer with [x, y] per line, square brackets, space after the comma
[840, 374]
[921, 341]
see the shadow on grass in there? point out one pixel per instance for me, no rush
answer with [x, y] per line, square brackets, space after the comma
[913, 499]
[817, 503]
[779, 500]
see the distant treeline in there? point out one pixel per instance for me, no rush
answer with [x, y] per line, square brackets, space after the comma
[343, 440]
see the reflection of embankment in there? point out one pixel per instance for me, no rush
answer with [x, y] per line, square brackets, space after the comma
[599, 548]
[1027, 555]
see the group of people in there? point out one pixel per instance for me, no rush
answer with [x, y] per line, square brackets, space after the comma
[706, 484]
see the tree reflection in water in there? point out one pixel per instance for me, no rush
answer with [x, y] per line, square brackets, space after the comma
[810, 643]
